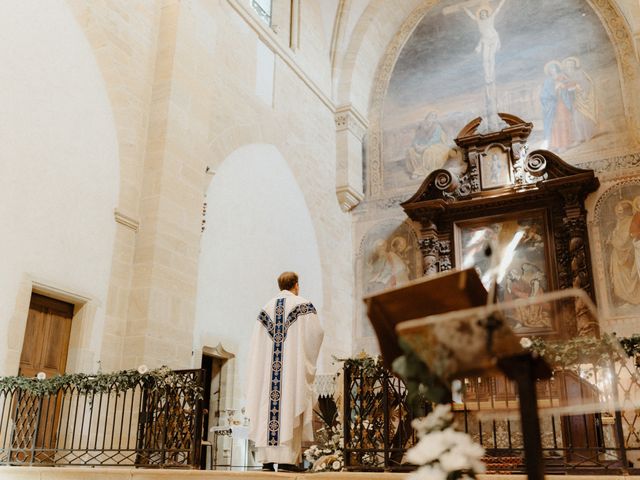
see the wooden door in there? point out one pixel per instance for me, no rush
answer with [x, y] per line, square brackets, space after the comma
[46, 338]
[45, 347]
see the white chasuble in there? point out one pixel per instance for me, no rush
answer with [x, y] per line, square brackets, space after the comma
[282, 365]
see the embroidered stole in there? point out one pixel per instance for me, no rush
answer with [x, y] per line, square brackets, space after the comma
[277, 330]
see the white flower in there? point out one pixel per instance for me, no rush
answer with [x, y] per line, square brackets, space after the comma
[41, 376]
[440, 418]
[336, 465]
[428, 448]
[142, 369]
[471, 450]
[478, 467]
[526, 342]
[452, 461]
[428, 472]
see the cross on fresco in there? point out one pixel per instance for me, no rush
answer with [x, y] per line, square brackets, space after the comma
[549, 62]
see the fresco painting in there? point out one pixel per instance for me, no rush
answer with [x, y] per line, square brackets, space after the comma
[390, 258]
[619, 227]
[548, 62]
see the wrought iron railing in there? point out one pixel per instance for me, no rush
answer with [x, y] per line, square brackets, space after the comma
[376, 419]
[144, 425]
[589, 420]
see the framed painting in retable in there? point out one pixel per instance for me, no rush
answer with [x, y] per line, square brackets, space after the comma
[522, 266]
[495, 168]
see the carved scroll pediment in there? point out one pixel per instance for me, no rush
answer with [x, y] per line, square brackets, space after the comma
[505, 189]
[498, 164]
[546, 165]
[441, 184]
[515, 125]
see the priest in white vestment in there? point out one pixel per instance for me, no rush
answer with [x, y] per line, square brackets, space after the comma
[282, 365]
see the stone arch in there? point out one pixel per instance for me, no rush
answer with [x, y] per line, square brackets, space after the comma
[258, 225]
[237, 136]
[367, 42]
[381, 22]
[606, 193]
[128, 92]
[233, 138]
[61, 184]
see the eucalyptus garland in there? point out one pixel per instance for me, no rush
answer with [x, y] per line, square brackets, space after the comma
[161, 380]
[567, 353]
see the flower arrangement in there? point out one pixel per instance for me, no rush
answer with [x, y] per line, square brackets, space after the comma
[442, 452]
[327, 456]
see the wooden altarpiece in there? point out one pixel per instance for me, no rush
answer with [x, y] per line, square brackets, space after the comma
[505, 187]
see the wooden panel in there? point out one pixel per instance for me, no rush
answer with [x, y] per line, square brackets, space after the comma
[46, 339]
[56, 344]
[33, 339]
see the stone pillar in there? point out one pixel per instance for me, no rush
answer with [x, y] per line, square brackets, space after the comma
[161, 316]
[350, 129]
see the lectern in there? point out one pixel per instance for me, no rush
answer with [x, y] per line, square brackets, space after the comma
[447, 322]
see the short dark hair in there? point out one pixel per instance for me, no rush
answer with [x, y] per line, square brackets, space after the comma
[287, 280]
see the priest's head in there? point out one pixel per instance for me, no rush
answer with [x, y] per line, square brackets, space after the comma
[289, 281]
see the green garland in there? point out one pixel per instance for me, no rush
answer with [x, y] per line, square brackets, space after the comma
[423, 386]
[369, 366]
[160, 379]
[578, 350]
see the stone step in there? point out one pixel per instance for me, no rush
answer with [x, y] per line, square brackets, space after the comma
[109, 473]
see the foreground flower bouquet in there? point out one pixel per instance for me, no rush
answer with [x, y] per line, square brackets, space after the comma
[327, 456]
[442, 452]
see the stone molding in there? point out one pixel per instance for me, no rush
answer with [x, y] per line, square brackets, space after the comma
[126, 221]
[348, 197]
[620, 162]
[347, 117]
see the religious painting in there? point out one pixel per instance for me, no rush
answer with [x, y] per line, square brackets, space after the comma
[512, 250]
[389, 257]
[549, 62]
[495, 168]
[619, 227]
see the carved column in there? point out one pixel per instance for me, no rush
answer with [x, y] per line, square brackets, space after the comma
[429, 246]
[575, 226]
[444, 245]
[474, 174]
